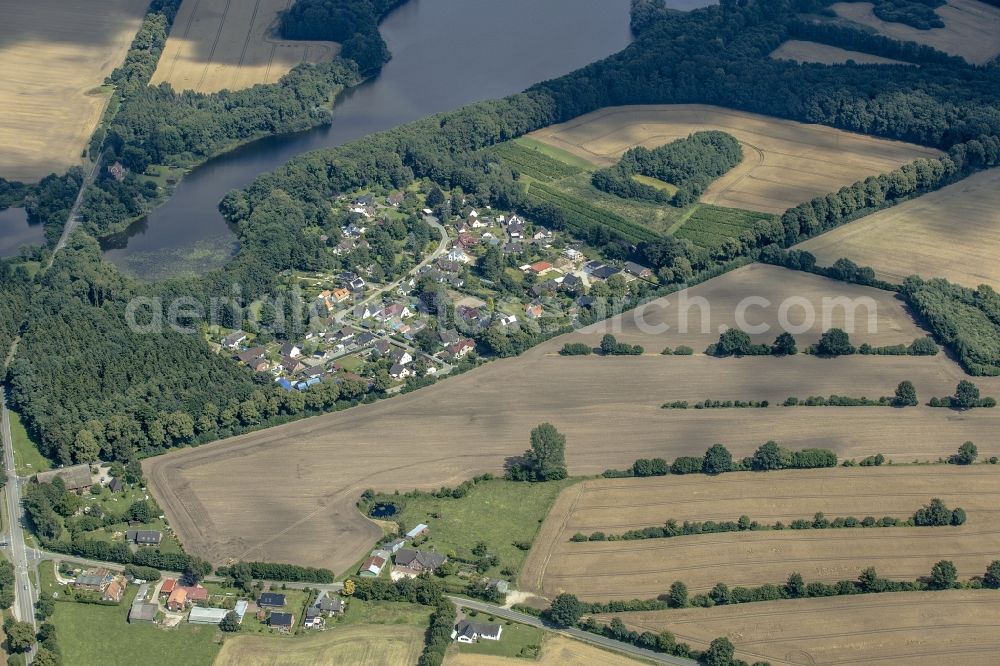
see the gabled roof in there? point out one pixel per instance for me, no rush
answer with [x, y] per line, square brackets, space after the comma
[282, 619]
[271, 599]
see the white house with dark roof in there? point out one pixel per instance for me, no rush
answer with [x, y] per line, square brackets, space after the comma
[473, 632]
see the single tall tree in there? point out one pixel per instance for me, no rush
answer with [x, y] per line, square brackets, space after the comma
[906, 394]
[547, 456]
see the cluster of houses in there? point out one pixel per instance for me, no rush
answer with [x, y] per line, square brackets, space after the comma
[407, 562]
[324, 607]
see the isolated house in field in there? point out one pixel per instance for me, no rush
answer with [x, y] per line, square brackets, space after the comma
[144, 537]
[472, 632]
[282, 621]
[271, 600]
[76, 477]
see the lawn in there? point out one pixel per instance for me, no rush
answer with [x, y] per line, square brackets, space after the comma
[517, 640]
[498, 512]
[352, 363]
[92, 634]
[27, 458]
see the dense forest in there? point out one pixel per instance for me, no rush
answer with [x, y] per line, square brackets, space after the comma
[353, 23]
[88, 386]
[689, 164]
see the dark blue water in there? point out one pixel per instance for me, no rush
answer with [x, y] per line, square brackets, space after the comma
[15, 231]
[446, 53]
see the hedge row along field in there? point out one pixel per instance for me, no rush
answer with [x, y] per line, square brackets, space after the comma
[533, 163]
[583, 217]
[710, 226]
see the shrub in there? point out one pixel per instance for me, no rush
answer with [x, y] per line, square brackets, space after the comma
[576, 349]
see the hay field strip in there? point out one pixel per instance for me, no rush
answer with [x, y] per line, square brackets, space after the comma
[972, 28]
[361, 645]
[217, 44]
[315, 469]
[952, 233]
[916, 628]
[645, 568]
[54, 55]
[785, 162]
[556, 651]
[805, 52]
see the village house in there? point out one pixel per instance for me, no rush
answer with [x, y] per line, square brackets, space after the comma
[471, 632]
[313, 619]
[282, 621]
[399, 372]
[144, 537]
[271, 600]
[291, 350]
[400, 356]
[234, 340]
[372, 567]
[460, 349]
[251, 356]
[420, 560]
[395, 199]
[533, 310]
[168, 586]
[340, 294]
[458, 255]
[638, 270]
[331, 606]
[177, 599]
[75, 477]
[541, 267]
[93, 581]
[605, 272]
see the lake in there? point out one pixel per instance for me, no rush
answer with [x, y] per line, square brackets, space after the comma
[15, 231]
[446, 53]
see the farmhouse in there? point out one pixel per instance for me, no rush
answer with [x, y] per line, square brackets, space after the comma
[77, 477]
[195, 593]
[472, 632]
[114, 590]
[178, 599]
[420, 560]
[144, 537]
[271, 600]
[207, 615]
[93, 581]
[282, 621]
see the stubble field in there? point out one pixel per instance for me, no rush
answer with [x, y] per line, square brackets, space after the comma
[602, 570]
[287, 493]
[802, 51]
[556, 651]
[362, 645]
[912, 628]
[952, 233]
[54, 55]
[970, 31]
[217, 44]
[784, 164]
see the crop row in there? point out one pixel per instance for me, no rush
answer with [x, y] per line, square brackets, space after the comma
[584, 216]
[534, 163]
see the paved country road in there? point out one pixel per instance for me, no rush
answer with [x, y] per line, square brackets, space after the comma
[578, 634]
[24, 596]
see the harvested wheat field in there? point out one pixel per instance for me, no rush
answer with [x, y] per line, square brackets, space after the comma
[54, 55]
[361, 645]
[972, 28]
[217, 44]
[287, 493]
[784, 164]
[824, 54]
[952, 233]
[601, 570]
[912, 628]
[556, 651]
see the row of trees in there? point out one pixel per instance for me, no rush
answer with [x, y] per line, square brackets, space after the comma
[718, 460]
[243, 573]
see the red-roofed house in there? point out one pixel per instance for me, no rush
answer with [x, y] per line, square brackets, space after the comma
[541, 267]
[168, 586]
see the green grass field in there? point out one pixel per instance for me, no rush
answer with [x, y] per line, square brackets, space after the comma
[655, 182]
[351, 363]
[500, 513]
[516, 640]
[384, 612]
[89, 635]
[709, 226]
[27, 458]
[556, 153]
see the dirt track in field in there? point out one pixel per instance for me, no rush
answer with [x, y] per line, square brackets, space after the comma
[218, 44]
[784, 164]
[287, 494]
[645, 568]
[912, 628]
[972, 29]
[952, 233]
[53, 55]
[802, 52]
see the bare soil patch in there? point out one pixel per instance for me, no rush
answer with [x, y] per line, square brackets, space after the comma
[785, 162]
[287, 494]
[217, 44]
[952, 233]
[802, 51]
[915, 628]
[54, 55]
[972, 29]
[601, 570]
